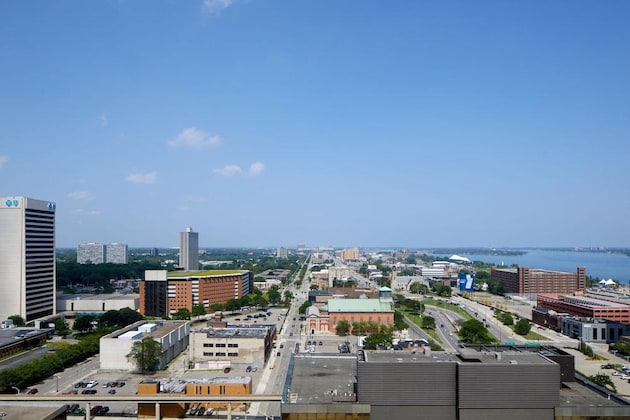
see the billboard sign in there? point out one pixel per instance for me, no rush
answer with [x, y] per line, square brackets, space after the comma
[466, 282]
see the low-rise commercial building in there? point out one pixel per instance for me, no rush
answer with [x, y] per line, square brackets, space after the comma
[219, 347]
[237, 385]
[96, 303]
[585, 307]
[594, 330]
[114, 347]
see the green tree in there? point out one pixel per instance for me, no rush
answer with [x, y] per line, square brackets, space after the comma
[198, 310]
[233, 305]
[482, 275]
[273, 294]
[84, 323]
[18, 321]
[217, 307]
[522, 327]
[473, 331]
[61, 327]
[314, 287]
[145, 354]
[109, 319]
[399, 321]
[428, 322]
[377, 340]
[288, 295]
[342, 327]
[303, 306]
[418, 288]
[127, 316]
[506, 318]
[182, 313]
[604, 380]
[442, 289]
[260, 301]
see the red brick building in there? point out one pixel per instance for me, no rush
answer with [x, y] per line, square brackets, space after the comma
[587, 307]
[163, 293]
[523, 280]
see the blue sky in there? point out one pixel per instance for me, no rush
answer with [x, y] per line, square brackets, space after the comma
[346, 123]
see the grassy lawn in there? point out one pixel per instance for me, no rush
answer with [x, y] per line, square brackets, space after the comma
[450, 307]
[418, 321]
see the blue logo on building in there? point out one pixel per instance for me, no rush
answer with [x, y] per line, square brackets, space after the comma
[51, 206]
[8, 203]
[12, 203]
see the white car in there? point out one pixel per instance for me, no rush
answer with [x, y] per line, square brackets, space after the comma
[616, 373]
[624, 377]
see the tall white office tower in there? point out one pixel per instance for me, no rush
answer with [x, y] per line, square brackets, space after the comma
[27, 258]
[189, 250]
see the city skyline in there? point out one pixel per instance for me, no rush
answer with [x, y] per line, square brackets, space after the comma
[368, 124]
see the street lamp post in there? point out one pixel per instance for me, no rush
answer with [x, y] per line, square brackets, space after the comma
[57, 377]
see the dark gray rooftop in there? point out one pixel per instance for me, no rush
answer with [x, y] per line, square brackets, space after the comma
[322, 378]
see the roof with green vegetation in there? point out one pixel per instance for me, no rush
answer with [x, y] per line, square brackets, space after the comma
[358, 305]
[204, 273]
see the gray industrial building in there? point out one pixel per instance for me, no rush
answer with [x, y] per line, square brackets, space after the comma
[502, 382]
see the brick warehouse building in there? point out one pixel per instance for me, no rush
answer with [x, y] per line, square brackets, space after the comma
[524, 280]
[586, 307]
[163, 293]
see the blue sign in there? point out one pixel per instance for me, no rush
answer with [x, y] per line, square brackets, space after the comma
[466, 282]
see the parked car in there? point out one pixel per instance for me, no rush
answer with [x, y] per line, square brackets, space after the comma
[227, 369]
[33, 391]
[321, 343]
[254, 368]
[111, 391]
[248, 369]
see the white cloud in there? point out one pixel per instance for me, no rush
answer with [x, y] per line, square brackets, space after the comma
[80, 195]
[103, 119]
[3, 160]
[82, 212]
[256, 168]
[194, 139]
[139, 178]
[214, 7]
[228, 170]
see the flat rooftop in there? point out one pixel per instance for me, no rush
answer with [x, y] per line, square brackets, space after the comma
[236, 332]
[591, 302]
[466, 355]
[322, 378]
[163, 328]
[104, 296]
[204, 273]
[177, 386]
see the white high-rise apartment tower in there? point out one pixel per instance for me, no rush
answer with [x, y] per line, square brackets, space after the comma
[189, 250]
[27, 258]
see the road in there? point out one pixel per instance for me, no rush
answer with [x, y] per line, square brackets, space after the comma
[274, 377]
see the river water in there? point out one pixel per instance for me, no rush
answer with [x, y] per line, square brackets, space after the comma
[598, 264]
